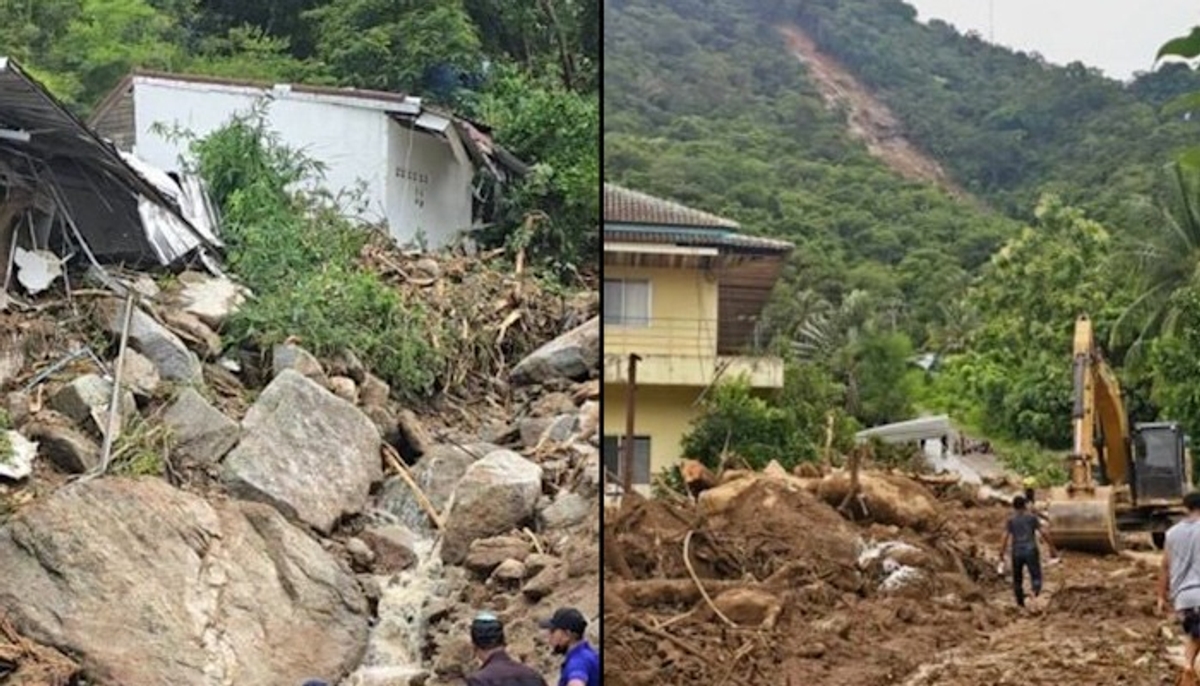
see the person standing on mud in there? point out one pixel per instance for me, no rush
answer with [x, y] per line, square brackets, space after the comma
[1023, 531]
[496, 667]
[1179, 581]
[581, 662]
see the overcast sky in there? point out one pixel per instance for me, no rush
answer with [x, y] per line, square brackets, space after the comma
[1117, 36]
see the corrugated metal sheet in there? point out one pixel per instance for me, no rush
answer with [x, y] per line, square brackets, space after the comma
[167, 232]
[99, 188]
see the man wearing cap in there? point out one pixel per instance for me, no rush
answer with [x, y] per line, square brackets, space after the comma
[496, 667]
[581, 665]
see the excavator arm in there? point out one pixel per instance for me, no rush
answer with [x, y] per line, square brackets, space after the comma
[1098, 404]
[1083, 513]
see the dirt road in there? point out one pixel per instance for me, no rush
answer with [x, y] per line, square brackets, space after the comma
[808, 604]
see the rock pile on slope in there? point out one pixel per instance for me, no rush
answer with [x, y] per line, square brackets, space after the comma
[271, 522]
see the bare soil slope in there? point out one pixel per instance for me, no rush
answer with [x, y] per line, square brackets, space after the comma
[869, 119]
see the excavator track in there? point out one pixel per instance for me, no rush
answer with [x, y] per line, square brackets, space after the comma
[1085, 520]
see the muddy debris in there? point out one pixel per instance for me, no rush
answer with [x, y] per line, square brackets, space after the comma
[898, 587]
[370, 530]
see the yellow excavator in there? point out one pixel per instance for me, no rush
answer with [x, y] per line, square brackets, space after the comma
[1122, 478]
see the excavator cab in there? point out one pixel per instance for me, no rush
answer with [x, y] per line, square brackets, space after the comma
[1160, 467]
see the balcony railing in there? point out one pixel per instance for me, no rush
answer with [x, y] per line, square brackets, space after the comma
[680, 336]
[678, 351]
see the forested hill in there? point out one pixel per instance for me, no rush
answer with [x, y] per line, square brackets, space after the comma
[1068, 206]
[1005, 124]
[704, 103]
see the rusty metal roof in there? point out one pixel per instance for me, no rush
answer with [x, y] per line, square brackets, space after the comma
[625, 206]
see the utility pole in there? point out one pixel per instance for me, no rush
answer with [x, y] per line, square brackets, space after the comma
[630, 414]
[992, 21]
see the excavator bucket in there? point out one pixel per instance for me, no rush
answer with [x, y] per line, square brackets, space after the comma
[1084, 520]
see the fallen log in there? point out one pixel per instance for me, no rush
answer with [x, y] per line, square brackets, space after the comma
[397, 464]
[682, 592]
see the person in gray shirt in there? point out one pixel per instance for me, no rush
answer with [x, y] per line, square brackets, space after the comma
[1023, 530]
[1179, 580]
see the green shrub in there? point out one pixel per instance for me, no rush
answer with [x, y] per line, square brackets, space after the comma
[300, 257]
[754, 430]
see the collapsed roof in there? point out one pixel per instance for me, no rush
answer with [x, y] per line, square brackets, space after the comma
[66, 191]
[406, 110]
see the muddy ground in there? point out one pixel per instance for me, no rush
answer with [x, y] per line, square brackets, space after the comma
[932, 611]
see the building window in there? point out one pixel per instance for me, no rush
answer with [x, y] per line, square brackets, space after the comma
[641, 459]
[626, 302]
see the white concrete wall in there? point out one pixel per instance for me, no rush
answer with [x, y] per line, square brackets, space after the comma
[429, 190]
[357, 146]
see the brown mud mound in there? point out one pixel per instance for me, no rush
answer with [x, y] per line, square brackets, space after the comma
[777, 582]
[800, 533]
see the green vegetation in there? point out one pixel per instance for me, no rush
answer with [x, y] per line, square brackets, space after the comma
[756, 431]
[6, 447]
[1090, 208]
[300, 258]
[1008, 125]
[528, 68]
[140, 448]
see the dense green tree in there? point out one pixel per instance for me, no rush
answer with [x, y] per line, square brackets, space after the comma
[1165, 257]
[1016, 368]
[395, 44]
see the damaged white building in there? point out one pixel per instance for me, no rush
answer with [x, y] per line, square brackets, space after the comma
[67, 194]
[428, 175]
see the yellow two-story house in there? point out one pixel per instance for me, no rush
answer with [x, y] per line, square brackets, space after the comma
[684, 291]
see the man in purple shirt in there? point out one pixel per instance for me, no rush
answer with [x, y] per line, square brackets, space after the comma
[581, 664]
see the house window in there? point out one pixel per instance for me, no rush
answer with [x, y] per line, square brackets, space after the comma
[641, 459]
[626, 302]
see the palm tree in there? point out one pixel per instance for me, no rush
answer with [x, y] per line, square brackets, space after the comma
[1167, 260]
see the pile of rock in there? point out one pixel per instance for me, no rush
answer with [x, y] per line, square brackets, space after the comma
[332, 535]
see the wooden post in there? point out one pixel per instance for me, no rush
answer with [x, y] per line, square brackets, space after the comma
[630, 414]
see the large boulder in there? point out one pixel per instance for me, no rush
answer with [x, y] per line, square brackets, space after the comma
[566, 510]
[437, 473]
[211, 299]
[200, 432]
[70, 449]
[16, 455]
[169, 354]
[139, 374]
[496, 494]
[290, 356]
[147, 584]
[305, 451]
[883, 498]
[570, 356]
[85, 400]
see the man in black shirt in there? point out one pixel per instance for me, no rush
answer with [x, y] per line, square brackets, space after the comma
[1023, 530]
[497, 668]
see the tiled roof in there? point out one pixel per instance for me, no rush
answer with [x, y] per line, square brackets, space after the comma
[624, 206]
